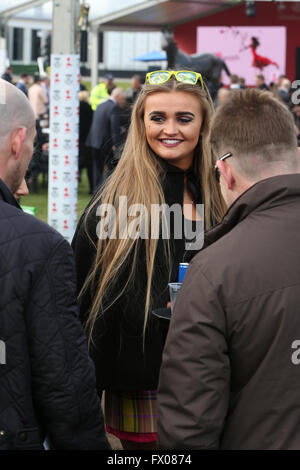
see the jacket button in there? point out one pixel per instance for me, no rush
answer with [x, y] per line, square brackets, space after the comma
[2, 433]
[23, 436]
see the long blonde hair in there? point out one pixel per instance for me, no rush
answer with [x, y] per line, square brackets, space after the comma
[138, 177]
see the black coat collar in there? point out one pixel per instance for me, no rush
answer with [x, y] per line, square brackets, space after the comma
[7, 196]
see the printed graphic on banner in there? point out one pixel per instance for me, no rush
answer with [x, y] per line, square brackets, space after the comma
[64, 143]
[247, 50]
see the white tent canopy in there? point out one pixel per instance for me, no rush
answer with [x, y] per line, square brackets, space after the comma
[122, 14]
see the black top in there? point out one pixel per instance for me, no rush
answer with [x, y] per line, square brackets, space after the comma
[122, 361]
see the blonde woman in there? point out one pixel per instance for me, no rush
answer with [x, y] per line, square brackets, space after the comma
[124, 276]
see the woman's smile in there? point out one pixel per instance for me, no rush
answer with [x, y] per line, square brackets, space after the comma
[173, 123]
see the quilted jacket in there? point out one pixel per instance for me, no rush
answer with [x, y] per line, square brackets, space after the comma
[47, 381]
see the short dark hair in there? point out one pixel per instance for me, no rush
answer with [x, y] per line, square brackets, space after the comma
[234, 79]
[36, 78]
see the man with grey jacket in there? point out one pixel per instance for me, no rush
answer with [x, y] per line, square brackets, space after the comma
[230, 373]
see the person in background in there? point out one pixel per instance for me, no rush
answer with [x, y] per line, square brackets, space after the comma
[105, 134]
[85, 121]
[23, 83]
[221, 96]
[166, 159]
[242, 83]
[47, 381]
[234, 82]
[102, 91]
[45, 84]
[7, 75]
[133, 91]
[229, 377]
[37, 97]
[260, 82]
[280, 79]
[284, 91]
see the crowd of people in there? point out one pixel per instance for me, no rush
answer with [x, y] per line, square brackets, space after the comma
[221, 371]
[282, 89]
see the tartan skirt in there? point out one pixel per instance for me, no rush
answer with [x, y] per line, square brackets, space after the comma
[132, 416]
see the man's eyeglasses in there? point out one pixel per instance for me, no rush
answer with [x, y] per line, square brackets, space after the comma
[158, 77]
[217, 171]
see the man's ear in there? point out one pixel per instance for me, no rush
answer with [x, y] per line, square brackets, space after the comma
[226, 172]
[17, 140]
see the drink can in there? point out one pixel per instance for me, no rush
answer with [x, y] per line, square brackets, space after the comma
[182, 271]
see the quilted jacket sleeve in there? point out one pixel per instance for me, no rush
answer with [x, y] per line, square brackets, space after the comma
[63, 376]
[193, 391]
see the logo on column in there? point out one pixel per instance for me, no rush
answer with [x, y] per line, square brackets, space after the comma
[69, 79]
[68, 111]
[67, 144]
[66, 209]
[54, 223]
[56, 95]
[56, 127]
[54, 208]
[67, 128]
[66, 193]
[69, 62]
[67, 177]
[66, 224]
[55, 160]
[56, 111]
[56, 78]
[68, 95]
[54, 175]
[55, 143]
[67, 160]
[54, 192]
[57, 62]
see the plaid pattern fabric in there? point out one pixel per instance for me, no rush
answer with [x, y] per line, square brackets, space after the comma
[134, 412]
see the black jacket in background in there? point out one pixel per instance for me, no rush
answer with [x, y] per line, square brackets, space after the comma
[85, 121]
[47, 381]
[105, 129]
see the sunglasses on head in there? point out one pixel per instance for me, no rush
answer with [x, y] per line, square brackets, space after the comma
[157, 77]
[217, 171]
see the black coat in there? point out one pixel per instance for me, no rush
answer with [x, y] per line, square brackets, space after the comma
[85, 121]
[122, 363]
[47, 381]
[105, 129]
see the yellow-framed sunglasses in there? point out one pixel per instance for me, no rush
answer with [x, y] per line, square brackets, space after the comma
[157, 77]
